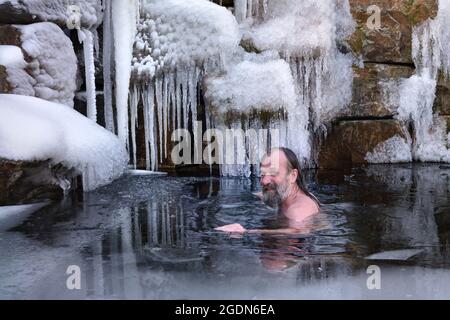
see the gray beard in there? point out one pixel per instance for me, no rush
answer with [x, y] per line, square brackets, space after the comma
[274, 199]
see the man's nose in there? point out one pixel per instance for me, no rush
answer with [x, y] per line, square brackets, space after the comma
[265, 180]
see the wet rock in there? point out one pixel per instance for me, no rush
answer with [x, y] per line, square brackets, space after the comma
[10, 13]
[5, 86]
[442, 102]
[10, 35]
[392, 42]
[32, 181]
[349, 141]
[375, 90]
[447, 120]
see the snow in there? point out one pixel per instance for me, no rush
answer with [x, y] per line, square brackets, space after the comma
[11, 56]
[431, 55]
[34, 129]
[53, 62]
[301, 28]
[173, 34]
[19, 80]
[57, 10]
[266, 85]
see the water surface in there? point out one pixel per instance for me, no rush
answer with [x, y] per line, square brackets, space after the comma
[153, 238]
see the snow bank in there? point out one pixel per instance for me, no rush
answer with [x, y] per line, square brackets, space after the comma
[34, 129]
[53, 64]
[20, 81]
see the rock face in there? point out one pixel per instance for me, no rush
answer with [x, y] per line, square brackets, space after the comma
[391, 43]
[374, 93]
[349, 142]
[442, 102]
[25, 182]
[387, 56]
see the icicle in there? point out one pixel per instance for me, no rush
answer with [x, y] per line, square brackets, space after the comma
[134, 101]
[107, 61]
[165, 110]
[159, 108]
[124, 16]
[88, 52]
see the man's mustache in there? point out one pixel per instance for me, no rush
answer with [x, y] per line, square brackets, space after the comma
[269, 187]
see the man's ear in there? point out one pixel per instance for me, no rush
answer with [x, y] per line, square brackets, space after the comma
[294, 175]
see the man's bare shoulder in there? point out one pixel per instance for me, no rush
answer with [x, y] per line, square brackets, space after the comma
[302, 209]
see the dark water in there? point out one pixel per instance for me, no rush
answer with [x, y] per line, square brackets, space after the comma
[153, 238]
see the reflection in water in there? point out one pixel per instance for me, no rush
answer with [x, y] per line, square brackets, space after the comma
[147, 237]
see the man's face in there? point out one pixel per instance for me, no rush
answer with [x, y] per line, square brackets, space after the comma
[274, 178]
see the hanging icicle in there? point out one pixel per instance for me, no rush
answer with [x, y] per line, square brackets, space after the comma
[86, 37]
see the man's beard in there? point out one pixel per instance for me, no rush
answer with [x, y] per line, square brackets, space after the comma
[274, 195]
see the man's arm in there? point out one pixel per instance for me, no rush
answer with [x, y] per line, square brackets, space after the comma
[292, 229]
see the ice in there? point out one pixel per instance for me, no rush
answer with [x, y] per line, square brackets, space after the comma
[398, 255]
[11, 216]
[177, 42]
[108, 58]
[35, 129]
[248, 85]
[53, 62]
[124, 15]
[181, 44]
[394, 150]
[88, 53]
[305, 34]
[431, 54]
[145, 173]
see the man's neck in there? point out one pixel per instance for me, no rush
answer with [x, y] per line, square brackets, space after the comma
[292, 197]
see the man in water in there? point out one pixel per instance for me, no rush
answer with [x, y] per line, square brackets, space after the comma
[283, 188]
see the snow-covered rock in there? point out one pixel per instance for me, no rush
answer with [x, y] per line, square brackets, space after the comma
[46, 66]
[34, 129]
[57, 11]
[18, 80]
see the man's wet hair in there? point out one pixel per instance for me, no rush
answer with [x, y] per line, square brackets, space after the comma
[294, 164]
